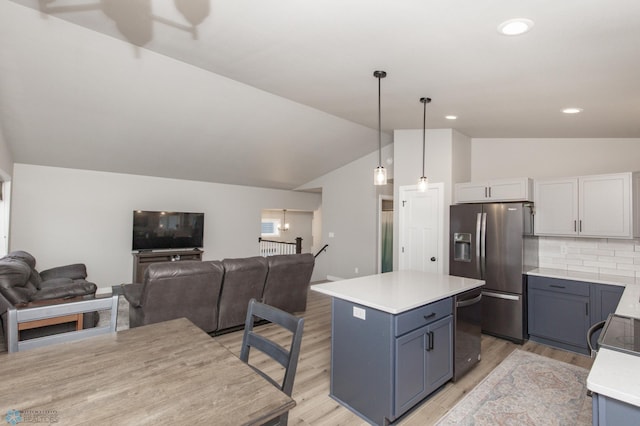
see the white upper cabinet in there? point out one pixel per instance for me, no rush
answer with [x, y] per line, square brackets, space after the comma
[556, 207]
[587, 206]
[516, 189]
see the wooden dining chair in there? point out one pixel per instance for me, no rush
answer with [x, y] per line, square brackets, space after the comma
[287, 358]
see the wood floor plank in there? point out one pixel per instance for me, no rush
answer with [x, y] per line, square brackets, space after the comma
[311, 390]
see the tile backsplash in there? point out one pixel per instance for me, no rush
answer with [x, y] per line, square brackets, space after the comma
[603, 256]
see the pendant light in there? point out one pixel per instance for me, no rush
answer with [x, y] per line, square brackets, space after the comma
[423, 181]
[380, 173]
[284, 226]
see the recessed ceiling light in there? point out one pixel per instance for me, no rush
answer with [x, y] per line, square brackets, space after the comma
[451, 117]
[572, 110]
[515, 26]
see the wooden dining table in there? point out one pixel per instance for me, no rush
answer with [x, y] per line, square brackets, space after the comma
[165, 373]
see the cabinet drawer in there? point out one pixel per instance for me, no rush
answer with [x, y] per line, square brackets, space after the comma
[423, 315]
[557, 285]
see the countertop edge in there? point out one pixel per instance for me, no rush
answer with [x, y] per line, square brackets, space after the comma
[564, 274]
[393, 311]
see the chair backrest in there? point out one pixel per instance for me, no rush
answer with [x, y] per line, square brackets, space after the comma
[288, 281]
[243, 280]
[187, 289]
[287, 358]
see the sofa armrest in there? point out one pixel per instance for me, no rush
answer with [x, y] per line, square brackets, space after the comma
[66, 292]
[77, 271]
[133, 293]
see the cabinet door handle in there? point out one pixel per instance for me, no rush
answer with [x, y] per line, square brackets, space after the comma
[556, 286]
[431, 315]
[580, 228]
[428, 343]
[486, 194]
[575, 226]
[489, 192]
[431, 339]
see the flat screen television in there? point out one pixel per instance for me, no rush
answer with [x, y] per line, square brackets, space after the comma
[167, 230]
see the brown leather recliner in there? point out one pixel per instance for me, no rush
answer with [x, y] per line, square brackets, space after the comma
[170, 290]
[288, 281]
[243, 280]
[22, 286]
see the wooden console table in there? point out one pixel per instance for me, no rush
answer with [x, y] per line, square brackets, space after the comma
[142, 260]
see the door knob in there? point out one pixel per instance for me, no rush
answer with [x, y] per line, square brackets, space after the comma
[433, 259]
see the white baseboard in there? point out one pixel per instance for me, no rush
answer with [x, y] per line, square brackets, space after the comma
[332, 278]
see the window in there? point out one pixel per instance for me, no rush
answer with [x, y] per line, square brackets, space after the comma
[270, 228]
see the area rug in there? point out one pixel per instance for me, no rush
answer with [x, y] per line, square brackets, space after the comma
[526, 389]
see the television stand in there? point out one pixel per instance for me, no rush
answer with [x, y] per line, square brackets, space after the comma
[144, 258]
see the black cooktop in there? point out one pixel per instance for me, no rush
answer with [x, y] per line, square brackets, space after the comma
[622, 334]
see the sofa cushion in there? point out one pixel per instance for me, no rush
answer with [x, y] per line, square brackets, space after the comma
[23, 256]
[288, 281]
[77, 271]
[187, 289]
[27, 258]
[14, 280]
[243, 280]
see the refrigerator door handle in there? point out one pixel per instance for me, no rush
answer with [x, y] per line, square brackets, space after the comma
[483, 246]
[478, 240]
[500, 296]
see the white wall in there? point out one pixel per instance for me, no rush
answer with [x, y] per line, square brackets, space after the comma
[350, 213]
[6, 158]
[537, 158]
[438, 168]
[461, 158]
[64, 216]
[6, 170]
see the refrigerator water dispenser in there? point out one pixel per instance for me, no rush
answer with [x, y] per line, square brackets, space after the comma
[462, 247]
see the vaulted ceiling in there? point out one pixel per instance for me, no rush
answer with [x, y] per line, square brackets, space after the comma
[275, 93]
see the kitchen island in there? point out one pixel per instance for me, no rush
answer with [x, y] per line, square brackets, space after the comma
[391, 340]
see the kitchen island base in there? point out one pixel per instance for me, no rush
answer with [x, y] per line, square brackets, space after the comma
[609, 411]
[383, 364]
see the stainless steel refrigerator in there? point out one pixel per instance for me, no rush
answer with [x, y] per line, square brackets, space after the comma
[495, 242]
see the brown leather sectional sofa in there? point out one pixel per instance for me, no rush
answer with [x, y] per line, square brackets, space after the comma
[215, 295]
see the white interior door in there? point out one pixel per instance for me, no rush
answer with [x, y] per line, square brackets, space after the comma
[421, 228]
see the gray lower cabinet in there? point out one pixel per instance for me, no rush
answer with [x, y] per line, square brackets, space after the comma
[604, 301]
[611, 412]
[423, 363]
[382, 364]
[560, 312]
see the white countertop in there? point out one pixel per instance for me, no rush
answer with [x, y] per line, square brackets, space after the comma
[398, 291]
[563, 274]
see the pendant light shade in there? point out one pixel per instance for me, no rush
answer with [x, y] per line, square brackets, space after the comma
[380, 173]
[423, 182]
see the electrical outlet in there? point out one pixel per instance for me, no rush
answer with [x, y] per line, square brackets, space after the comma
[563, 249]
[359, 313]
[357, 270]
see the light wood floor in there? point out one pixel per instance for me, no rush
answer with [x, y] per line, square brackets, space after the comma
[311, 389]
